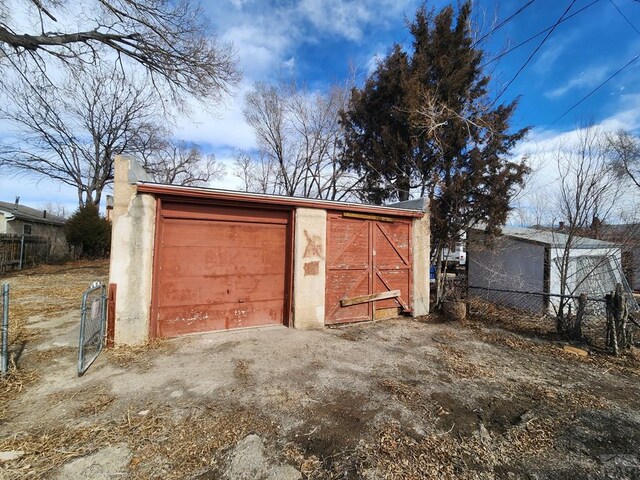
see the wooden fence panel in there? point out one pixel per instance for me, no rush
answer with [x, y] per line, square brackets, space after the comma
[20, 251]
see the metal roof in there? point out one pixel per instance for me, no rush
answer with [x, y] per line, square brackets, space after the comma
[269, 199]
[553, 238]
[22, 212]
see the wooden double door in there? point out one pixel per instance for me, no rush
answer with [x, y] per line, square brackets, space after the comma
[367, 255]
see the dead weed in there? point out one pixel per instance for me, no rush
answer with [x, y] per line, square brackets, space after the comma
[155, 440]
[125, 356]
[456, 362]
[403, 392]
[12, 385]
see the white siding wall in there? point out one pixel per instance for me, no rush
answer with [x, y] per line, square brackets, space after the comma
[611, 260]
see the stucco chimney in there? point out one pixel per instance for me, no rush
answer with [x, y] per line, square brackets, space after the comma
[109, 207]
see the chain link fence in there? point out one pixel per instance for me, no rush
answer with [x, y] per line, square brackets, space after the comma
[539, 313]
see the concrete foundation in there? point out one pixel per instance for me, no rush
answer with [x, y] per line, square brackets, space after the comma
[309, 268]
[131, 263]
[421, 240]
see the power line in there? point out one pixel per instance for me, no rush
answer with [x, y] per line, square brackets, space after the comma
[534, 52]
[495, 59]
[625, 17]
[602, 84]
[501, 24]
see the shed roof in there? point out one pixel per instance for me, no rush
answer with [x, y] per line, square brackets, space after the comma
[553, 238]
[414, 209]
[28, 214]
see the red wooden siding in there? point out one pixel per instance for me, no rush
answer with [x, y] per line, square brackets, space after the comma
[219, 268]
[366, 257]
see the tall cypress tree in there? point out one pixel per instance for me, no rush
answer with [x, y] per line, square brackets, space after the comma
[424, 124]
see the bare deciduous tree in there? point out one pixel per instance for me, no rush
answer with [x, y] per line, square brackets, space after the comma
[588, 195]
[72, 136]
[625, 154]
[171, 40]
[182, 163]
[300, 143]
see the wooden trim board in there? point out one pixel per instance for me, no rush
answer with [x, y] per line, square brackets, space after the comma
[345, 302]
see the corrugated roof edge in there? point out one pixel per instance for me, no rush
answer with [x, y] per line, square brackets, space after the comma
[529, 235]
[419, 204]
[268, 199]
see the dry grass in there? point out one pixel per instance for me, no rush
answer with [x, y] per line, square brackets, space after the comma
[456, 362]
[537, 334]
[88, 401]
[403, 392]
[396, 454]
[155, 440]
[139, 356]
[12, 385]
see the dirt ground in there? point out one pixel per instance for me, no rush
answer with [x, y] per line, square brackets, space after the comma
[391, 399]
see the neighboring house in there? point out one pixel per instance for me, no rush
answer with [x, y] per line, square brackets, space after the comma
[17, 219]
[187, 260]
[628, 236]
[528, 260]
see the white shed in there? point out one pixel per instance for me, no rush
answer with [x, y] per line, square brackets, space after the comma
[529, 260]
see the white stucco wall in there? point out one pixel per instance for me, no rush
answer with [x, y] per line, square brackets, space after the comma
[131, 262]
[421, 244]
[309, 268]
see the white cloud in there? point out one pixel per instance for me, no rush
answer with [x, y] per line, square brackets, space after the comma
[259, 50]
[548, 58]
[541, 149]
[339, 17]
[223, 128]
[587, 78]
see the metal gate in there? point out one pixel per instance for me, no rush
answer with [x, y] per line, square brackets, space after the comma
[93, 320]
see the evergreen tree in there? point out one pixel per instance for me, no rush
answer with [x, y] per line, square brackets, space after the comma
[424, 124]
[89, 232]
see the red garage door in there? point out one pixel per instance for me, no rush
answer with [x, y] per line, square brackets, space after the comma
[219, 268]
[367, 257]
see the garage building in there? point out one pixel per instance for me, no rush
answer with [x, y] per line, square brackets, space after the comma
[188, 260]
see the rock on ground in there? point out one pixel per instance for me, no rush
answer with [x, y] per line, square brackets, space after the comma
[248, 462]
[105, 464]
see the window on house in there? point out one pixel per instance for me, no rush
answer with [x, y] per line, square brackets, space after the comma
[26, 229]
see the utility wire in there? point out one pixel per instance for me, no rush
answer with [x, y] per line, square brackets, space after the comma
[502, 23]
[625, 17]
[602, 84]
[498, 57]
[534, 52]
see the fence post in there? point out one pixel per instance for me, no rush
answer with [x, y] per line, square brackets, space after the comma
[21, 251]
[617, 313]
[622, 312]
[577, 326]
[5, 329]
[612, 335]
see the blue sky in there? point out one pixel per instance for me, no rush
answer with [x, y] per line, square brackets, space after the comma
[317, 42]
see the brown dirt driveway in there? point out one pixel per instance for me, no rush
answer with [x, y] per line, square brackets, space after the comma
[390, 399]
